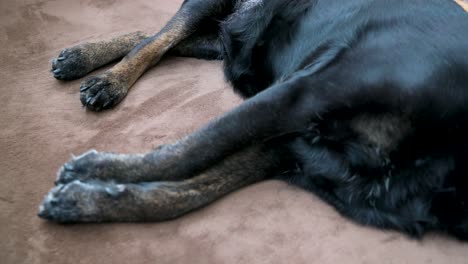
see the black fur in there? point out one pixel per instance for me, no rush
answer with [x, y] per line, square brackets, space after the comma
[363, 102]
[367, 60]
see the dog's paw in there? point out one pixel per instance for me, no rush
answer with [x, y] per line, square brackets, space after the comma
[103, 166]
[80, 202]
[71, 64]
[80, 168]
[59, 209]
[102, 91]
[68, 203]
[91, 165]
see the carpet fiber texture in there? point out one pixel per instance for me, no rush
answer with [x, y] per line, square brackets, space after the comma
[42, 123]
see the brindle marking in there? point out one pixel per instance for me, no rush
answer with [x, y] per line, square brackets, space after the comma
[98, 201]
[109, 88]
[77, 61]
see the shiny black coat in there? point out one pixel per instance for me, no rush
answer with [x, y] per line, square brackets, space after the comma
[387, 143]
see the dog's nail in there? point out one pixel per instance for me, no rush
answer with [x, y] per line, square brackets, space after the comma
[88, 101]
[56, 71]
[86, 85]
[84, 88]
[61, 58]
[93, 101]
[95, 98]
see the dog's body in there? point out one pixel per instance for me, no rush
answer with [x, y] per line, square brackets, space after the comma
[364, 103]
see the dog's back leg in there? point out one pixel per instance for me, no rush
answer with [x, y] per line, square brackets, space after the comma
[206, 46]
[157, 201]
[283, 108]
[77, 61]
[200, 168]
[108, 89]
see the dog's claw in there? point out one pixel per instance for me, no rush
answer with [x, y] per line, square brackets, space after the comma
[61, 58]
[93, 101]
[95, 98]
[88, 100]
[84, 88]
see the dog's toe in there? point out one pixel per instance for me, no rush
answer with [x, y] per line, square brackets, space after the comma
[59, 207]
[102, 92]
[71, 64]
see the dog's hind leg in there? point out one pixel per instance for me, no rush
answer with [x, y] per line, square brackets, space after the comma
[281, 109]
[200, 46]
[77, 61]
[230, 152]
[98, 201]
[109, 88]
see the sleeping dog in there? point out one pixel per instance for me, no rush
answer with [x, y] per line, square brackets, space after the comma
[364, 103]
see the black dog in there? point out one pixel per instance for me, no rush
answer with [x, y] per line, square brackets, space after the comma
[364, 103]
